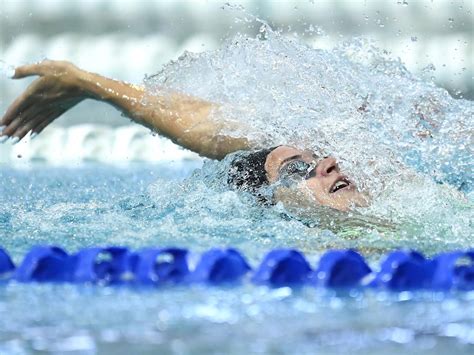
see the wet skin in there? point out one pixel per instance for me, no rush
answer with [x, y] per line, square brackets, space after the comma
[324, 182]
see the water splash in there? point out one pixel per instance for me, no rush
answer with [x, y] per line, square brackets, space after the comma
[406, 141]
[6, 70]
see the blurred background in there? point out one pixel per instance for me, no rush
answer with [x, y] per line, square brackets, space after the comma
[129, 39]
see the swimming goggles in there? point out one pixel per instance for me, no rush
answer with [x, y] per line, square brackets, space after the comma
[296, 171]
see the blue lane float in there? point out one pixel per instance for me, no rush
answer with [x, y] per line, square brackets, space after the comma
[341, 268]
[218, 266]
[400, 270]
[107, 265]
[454, 270]
[44, 264]
[156, 266]
[283, 267]
[404, 270]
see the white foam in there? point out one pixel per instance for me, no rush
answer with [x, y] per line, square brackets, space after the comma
[100, 143]
[355, 103]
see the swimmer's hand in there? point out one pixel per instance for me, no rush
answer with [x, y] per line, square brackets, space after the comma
[55, 91]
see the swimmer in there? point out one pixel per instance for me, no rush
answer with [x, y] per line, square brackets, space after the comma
[298, 175]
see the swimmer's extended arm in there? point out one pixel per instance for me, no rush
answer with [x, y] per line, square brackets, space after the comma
[61, 85]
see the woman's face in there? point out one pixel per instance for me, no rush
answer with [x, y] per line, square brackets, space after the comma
[321, 178]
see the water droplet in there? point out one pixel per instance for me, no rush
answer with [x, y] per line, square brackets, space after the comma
[429, 68]
[6, 69]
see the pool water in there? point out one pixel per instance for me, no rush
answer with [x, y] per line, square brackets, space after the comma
[77, 207]
[151, 205]
[416, 162]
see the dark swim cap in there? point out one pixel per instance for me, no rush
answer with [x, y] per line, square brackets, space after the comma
[247, 172]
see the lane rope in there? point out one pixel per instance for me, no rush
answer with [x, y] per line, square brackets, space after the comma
[399, 270]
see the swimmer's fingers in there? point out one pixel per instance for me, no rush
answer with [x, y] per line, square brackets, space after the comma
[20, 120]
[33, 120]
[45, 123]
[43, 68]
[28, 70]
[45, 120]
[22, 103]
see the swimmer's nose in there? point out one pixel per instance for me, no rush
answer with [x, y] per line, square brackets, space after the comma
[327, 166]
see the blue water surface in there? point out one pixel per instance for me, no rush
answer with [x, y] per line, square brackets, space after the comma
[94, 205]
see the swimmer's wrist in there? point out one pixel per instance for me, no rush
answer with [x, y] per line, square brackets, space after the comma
[97, 87]
[90, 85]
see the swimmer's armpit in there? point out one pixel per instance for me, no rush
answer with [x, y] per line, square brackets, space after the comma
[61, 85]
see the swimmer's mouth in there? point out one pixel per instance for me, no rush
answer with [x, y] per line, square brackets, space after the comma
[340, 184]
